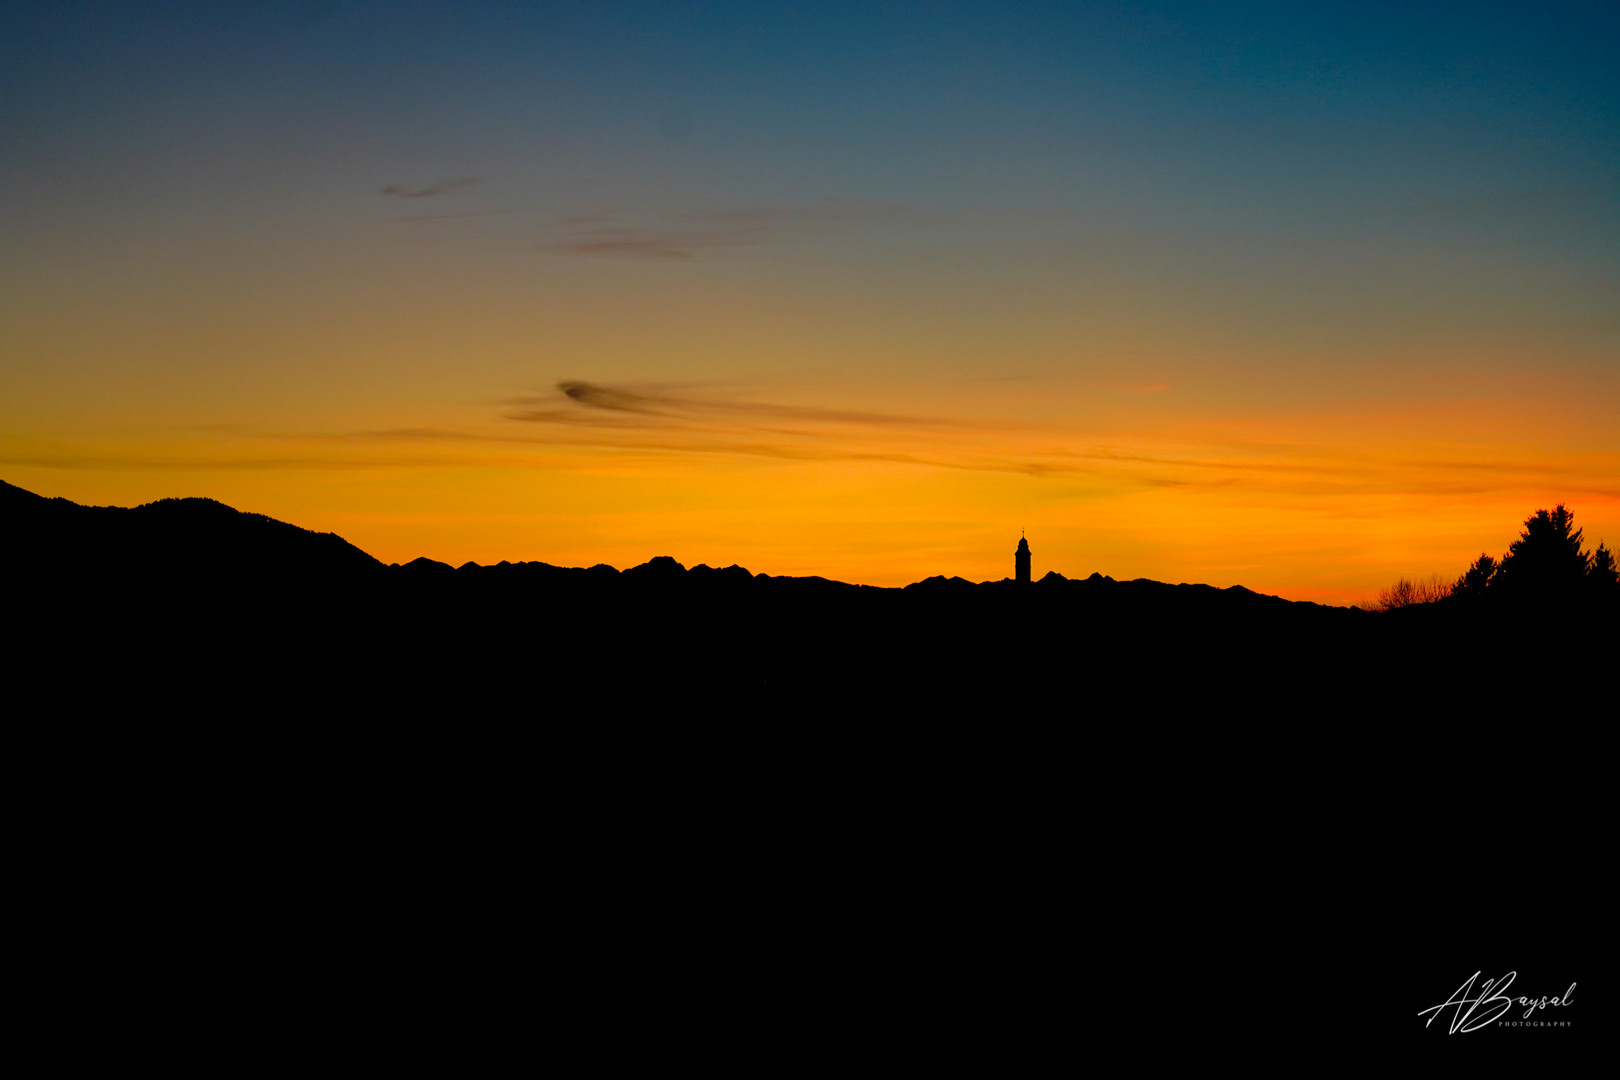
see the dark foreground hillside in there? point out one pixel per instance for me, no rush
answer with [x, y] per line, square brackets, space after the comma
[665, 806]
[241, 609]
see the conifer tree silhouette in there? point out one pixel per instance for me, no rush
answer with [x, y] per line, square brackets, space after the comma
[1602, 575]
[1546, 561]
[1476, 578]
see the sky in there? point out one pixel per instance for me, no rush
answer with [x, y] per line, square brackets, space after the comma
[1303, 297]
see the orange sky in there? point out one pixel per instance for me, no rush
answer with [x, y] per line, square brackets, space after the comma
[816, 480]
[1279, 299]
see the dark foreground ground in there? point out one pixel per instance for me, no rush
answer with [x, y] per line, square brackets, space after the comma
[715, 818]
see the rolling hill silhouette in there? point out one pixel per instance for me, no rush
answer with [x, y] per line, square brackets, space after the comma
[170, 541]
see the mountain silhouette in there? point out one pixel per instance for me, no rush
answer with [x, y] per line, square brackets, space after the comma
[170, 539]
[239, 600]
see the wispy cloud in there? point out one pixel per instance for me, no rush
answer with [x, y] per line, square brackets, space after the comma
[666, 404]
[680, 419]
[442, 187]
[689, 233]
[706, 421]
[582, 423]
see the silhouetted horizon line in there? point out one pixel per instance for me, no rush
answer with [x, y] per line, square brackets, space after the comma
[667, 563]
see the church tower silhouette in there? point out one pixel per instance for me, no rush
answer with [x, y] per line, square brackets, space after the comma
[1021, 560]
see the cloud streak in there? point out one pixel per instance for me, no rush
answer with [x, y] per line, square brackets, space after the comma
[665, 405]
[691, 233]
[443, 187]
[674, 418]
[590, 424]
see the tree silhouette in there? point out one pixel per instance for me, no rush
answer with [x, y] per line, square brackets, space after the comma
[1405, 593]
[1602, 575]
[1546, 561]
[1476, 578]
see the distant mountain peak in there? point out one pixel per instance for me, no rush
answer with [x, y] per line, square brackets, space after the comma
[658, 565]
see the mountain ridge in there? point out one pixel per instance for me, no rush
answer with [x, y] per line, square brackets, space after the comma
[196, 511]
[196, 593]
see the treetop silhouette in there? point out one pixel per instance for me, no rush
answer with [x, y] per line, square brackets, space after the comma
[1546, 560]
[1603, 575]
[1544, 566]
[1476, 578]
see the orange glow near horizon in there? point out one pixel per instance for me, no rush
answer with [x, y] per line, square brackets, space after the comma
[1328, 507]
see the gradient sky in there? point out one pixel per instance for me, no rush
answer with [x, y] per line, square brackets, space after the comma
[1303, 297]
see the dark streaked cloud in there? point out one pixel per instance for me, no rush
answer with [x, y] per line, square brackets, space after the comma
[674, 418]
[665, 404]
[705, 420]
[685, 234]
[443, 187]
